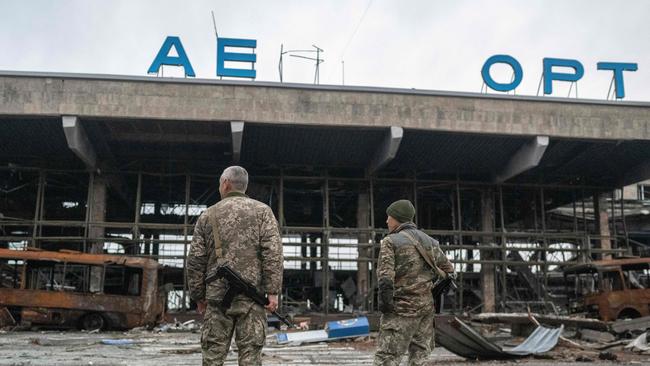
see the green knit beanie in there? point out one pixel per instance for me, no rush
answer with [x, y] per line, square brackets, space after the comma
[402, 210]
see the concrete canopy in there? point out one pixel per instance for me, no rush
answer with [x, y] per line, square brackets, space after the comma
[444, 135]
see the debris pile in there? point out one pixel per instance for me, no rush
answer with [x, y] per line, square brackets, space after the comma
[178, 327]
[502, 336]
[482, 337]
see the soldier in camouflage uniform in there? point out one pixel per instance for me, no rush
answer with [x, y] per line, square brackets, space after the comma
[405, 283]
[242, 232]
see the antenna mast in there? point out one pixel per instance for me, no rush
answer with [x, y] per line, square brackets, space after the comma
[293, 53]
[214, 24]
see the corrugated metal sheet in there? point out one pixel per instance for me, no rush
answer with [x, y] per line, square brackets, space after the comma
[540, 341]
[461, 339]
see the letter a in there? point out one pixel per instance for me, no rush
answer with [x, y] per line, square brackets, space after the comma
[163, 57]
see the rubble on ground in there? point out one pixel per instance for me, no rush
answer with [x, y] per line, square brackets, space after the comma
[178, 327]
[494, 336]
[178, 343]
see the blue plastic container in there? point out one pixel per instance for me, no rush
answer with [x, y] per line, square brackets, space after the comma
[357, 327]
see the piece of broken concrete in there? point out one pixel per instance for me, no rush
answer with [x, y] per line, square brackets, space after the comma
[631, 325]
[591, 335]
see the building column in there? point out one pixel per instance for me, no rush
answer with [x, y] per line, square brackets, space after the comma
[97, 207]
[487, 270]
[304, 239]
[601, 218]
[363, 222]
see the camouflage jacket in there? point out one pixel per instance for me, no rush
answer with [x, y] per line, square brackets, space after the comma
[250, 244]
[401, 264]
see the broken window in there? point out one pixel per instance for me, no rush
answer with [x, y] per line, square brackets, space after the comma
[611, 281]
[289, 250]
[76, 278]
[343, 248]
[18, 191]
[636, 279]
[70, 277]
[119, 280]
[644, 192]
[46, 276]
[10, 273]
[586, 284]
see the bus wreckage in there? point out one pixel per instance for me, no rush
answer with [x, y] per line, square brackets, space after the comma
[69, 289]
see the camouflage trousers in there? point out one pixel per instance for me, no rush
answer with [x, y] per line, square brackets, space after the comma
[248, 323]
[397, 334]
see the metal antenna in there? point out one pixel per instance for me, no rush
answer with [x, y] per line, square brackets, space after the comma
[354, 33]
[318, 62]
[280, 63]
[216, 34]
[214, 23]
[291, 53]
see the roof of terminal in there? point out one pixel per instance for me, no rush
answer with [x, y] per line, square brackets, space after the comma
[446, 151]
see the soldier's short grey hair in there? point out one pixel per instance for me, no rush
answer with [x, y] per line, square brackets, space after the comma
[237, 176]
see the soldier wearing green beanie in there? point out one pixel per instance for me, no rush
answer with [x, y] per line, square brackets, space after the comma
[405, 280]
[402, 211]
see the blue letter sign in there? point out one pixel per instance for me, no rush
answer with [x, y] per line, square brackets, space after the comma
[549, 75]
[618, 68]
[505, 59]
[223, 56]
[163, 58]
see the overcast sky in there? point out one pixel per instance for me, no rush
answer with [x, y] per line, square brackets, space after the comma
[429, 44]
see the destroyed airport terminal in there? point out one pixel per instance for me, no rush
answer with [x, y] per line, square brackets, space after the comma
[516, 189]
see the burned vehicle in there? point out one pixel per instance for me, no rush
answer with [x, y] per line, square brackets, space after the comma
[609, 289]
[72, 289]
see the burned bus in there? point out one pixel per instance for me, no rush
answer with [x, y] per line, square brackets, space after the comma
[609, 289]
[72, 289]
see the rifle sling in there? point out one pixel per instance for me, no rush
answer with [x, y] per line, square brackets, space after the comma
[426, 256]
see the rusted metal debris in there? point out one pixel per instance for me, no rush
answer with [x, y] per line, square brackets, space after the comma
[461, 339]
[70, 289]
[6, 319]
[554, 320]
[609, 289]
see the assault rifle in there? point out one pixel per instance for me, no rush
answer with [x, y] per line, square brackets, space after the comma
[237, 285]
[440, 287]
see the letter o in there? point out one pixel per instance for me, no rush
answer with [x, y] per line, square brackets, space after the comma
[503, 59]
